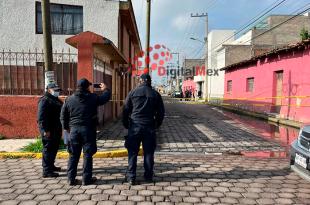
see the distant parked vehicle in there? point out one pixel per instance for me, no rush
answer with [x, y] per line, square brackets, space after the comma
[177, 94]
[300, 150]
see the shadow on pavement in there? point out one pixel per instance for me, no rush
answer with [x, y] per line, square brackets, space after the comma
[167, 172]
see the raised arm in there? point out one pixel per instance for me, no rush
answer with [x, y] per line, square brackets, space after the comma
[106, 95]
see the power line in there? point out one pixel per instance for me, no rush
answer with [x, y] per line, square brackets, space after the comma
[280, 24]
[188, 32]
[195, 25]
[194, 52]
[141, 14]
[251, 21]
[185, 33]
[293, 17]
[216, 47]
[213, 4]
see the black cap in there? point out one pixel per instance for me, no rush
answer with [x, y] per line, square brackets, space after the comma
[53, 86]
[145, 77]
[83, 83]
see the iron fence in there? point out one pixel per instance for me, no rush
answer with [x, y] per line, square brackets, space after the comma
[22, 73]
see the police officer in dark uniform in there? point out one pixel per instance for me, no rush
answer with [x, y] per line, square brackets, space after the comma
[50, 128]
[79, 118]
[143, 112]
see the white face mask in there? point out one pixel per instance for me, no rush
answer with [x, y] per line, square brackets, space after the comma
[55, 93]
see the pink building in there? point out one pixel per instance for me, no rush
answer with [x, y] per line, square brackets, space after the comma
[189, 85]
[275, 82]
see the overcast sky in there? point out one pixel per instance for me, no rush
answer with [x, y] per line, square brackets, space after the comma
[172, 25]
[171, 20]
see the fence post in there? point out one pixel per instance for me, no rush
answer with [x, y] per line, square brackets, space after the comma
[3, 80]
[10, 77]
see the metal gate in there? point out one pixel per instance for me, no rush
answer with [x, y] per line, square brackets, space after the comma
[22, 73]
[103, 73]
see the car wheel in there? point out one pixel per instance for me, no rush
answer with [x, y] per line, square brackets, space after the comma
[292, 161]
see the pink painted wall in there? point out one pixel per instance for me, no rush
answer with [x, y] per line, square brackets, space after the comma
[296, 82]
[188, 85]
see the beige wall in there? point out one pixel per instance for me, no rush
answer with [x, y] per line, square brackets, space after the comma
[236, 53]
[287, 33]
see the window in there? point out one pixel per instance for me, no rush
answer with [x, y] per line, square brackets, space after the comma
[229, 86]
[65, 19]
[249, 84]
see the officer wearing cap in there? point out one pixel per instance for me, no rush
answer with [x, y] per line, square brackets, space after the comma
[143, 112]
[79, 118]
[50, 128]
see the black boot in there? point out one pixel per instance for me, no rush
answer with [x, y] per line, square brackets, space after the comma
[72, 182]
[149, 179]
[56, 169]
[91, 181]
[131, 182]
[50, 175]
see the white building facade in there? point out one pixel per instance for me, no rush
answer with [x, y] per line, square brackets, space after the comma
[215, 61]
[21, 24]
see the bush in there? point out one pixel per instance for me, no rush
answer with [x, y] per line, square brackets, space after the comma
[304, 34]
[37, 146]
[2, 137]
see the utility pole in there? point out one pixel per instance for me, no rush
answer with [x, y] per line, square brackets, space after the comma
[177, 77]
[205, 89]
[47, 36]
[148, 33]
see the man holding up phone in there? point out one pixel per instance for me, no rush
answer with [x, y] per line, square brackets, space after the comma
[79, 118]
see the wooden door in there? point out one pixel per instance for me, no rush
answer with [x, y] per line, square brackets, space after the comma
[278, 90]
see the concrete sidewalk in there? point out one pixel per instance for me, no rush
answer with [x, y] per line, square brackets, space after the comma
[14, 145]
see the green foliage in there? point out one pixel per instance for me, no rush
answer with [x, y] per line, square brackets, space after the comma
[304, 34]
[2, 137]
[37, 146]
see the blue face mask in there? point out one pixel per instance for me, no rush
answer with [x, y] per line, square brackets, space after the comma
[55, 93]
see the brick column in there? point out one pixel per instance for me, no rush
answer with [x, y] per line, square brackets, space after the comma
[84, 43]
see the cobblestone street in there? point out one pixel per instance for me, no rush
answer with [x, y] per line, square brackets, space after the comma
[198, 162]
[195, 128]
[179, 179]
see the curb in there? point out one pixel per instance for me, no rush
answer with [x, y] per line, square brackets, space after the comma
[280, 121]
[65, 155]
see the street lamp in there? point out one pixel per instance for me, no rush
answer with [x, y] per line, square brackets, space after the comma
[196, 39]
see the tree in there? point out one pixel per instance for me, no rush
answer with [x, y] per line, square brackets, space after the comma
[304, 33]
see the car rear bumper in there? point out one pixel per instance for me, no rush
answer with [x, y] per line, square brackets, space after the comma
[295, 149]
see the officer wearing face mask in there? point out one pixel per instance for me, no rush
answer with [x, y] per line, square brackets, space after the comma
[50, 128]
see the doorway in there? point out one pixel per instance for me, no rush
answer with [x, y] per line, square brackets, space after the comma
[277, 91]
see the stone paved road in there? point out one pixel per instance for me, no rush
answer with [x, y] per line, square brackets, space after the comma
[186, 179]
[184, 174]
[195, 128]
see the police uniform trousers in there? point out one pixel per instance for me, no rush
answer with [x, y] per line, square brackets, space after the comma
[49, 152]
[82, 137]
[136, 135]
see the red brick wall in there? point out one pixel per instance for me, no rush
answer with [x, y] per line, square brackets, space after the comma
[18, 116]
